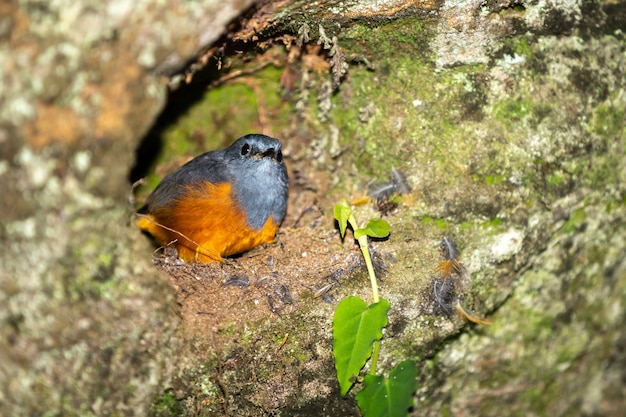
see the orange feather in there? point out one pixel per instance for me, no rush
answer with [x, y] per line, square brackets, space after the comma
[205, 225]
[447, 267]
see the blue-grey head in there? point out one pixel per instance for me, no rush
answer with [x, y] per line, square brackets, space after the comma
[260, 183]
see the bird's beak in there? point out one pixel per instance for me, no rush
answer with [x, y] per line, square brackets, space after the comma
[272, 153]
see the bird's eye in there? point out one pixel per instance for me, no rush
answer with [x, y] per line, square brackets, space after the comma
[279, 156]
[245, 150]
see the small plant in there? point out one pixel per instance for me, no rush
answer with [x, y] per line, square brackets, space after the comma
[357, 330]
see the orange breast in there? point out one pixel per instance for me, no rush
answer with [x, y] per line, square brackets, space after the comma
[205, 225]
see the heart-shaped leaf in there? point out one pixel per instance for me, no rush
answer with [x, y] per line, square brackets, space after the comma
[355, 328]
[389, 397]
[374, 228]
[342, 213]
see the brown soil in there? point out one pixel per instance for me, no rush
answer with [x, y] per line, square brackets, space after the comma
[307, 261]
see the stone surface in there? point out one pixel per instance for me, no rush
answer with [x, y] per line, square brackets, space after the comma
[507, 119]
[87, 328]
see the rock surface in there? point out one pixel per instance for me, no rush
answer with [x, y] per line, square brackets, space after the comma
[506, 117]
[87, 328]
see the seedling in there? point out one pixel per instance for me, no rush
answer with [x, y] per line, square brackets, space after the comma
[377, 228]
[357, 330]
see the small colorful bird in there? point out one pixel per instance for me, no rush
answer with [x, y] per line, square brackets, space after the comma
[220, 203]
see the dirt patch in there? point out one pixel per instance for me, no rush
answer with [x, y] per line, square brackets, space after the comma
[307, 262]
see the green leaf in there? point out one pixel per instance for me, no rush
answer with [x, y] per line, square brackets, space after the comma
[342, 213]
[374, 228]
[355, 328]
[397, 199]
[389, 397]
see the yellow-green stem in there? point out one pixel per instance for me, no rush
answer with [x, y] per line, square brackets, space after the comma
[375, 297]
[370, 267]
[370, 271]
[374, 357]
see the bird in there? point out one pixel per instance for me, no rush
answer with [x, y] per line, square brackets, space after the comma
[221, 203]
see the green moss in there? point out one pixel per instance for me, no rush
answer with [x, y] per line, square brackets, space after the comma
[151, 181]
[458, 141]
[607, 124]
[397, 101]
[384, 38]
[495, 179]
[521, 46]
[576, 220]
[513, 110]
[517, 45]
[556, 179]
[608, 121]
[566, 353]
[615, 204]
[224, 114]
[439, 223]
[411, 107]
[166, 405]
[493, 225]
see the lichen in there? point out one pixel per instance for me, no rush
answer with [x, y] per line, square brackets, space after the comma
[513, 147]
[484, 149]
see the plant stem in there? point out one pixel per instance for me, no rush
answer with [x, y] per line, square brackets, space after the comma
[374, 357]
[375, 297]
[370, 271]
[370, 267]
